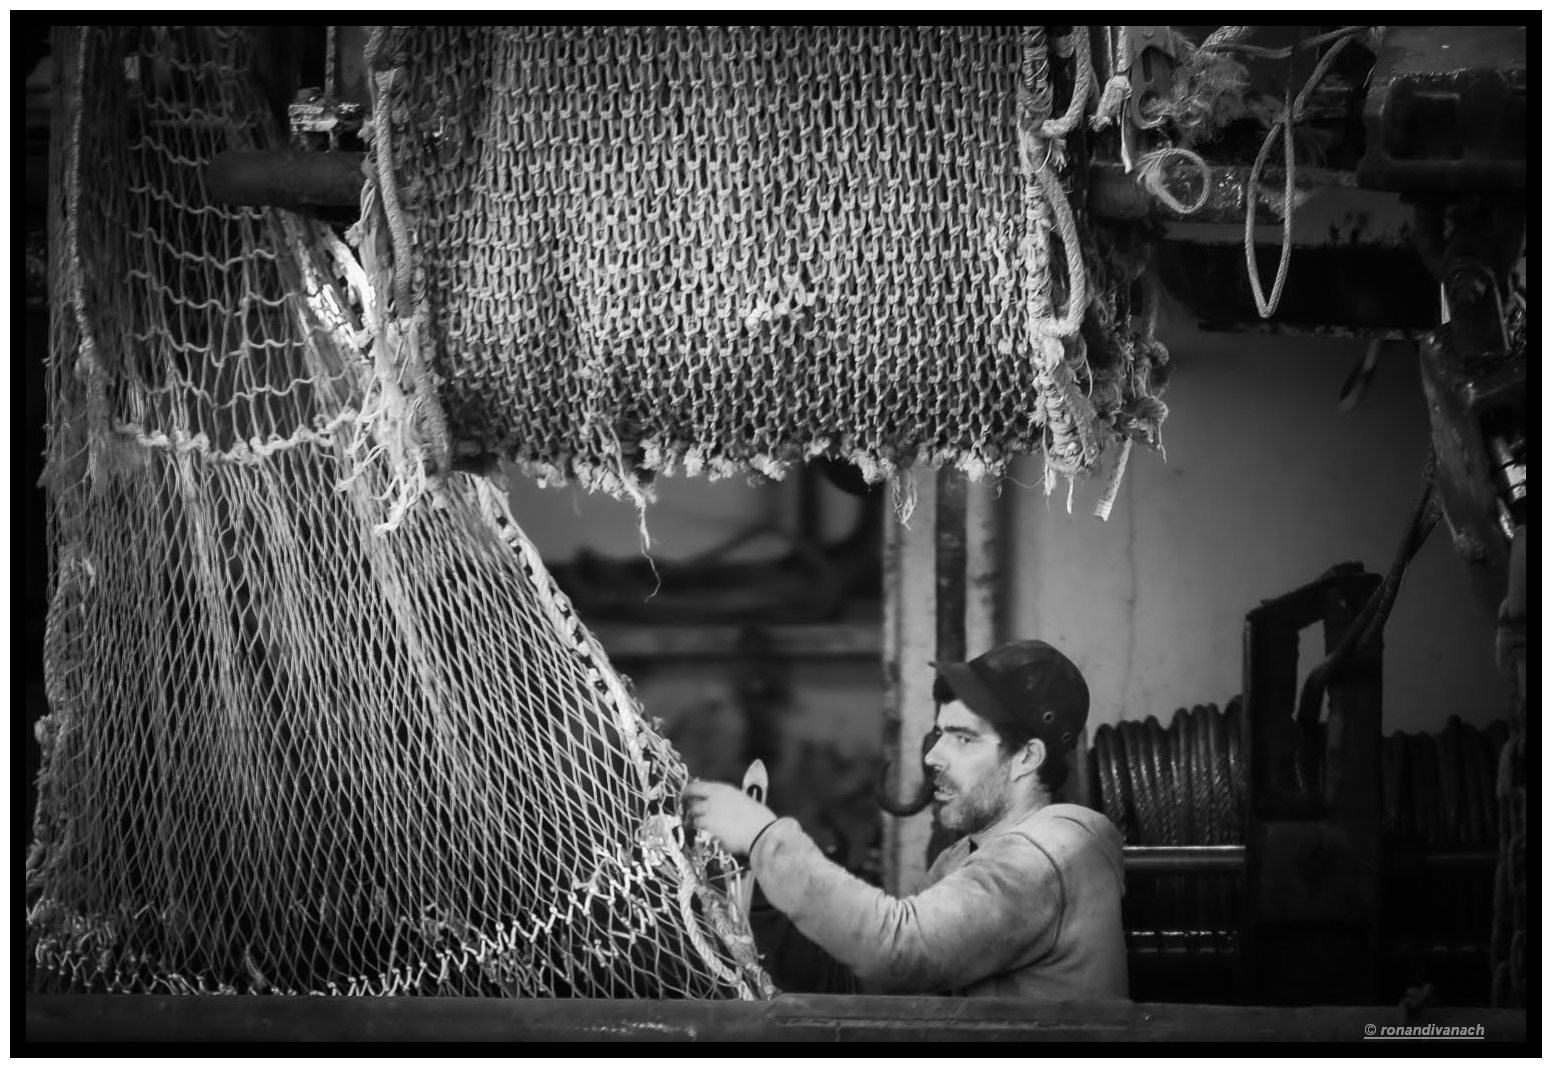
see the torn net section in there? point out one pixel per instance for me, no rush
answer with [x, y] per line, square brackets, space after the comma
[286, 754]
[735, 248]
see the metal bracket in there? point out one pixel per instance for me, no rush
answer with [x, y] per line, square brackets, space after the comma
[1146, 55]
[317, 122]
[320, 116]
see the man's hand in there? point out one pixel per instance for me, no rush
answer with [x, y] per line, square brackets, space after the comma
[726, 813]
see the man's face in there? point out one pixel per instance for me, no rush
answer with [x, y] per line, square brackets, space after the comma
[969, 770]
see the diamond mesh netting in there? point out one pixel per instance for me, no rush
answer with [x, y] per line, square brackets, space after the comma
[320, 719]
[735, 248]
[287, 752]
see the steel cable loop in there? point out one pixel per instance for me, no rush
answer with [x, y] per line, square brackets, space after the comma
[1216, 774]
[1135, 761]
[1179, 795]
[1128, 792]
[1224, 739]
[1200, 775]
[1222, 778]
[1196, 823]
[1223, 801]
[1207, 818]
[1156, 743]
[1107, 759]
[1184, 785]
[1166, 743]
[1179, 759]
[1207, 907]
[1221, 891]
[1149, 731]
[1236, 771]
[1151, 735]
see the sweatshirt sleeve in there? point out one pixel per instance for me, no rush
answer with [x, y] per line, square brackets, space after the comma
[1002, 908]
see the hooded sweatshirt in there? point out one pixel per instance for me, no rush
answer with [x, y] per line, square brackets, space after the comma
[1032, 910]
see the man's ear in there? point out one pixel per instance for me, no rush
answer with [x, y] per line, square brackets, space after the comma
[1029, 758]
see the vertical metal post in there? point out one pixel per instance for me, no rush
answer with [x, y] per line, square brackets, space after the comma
[949, 560]
[985, 519]
[910, 636]
[352, 72]
[330, 63]
[942, 601]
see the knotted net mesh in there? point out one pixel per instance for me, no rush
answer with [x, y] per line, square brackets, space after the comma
[320, 719]
[285, 752]
[736, 248]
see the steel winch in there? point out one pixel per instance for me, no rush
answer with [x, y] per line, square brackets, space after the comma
[1252, 832]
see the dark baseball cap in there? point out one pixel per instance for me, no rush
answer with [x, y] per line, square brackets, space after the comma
[1029, 683]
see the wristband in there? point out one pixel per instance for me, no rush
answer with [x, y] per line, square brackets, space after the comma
[757, 837]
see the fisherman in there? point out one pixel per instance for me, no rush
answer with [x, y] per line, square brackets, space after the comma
[1027, 903]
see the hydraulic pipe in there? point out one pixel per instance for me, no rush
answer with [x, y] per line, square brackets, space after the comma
[287, 179]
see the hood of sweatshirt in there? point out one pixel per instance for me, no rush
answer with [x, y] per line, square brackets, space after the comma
[1096, 825]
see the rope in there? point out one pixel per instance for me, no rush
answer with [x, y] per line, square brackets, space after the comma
[1077, 279]
[382, 154]
[1266, 306]
[1037, 142]
[88, 366]
[1083, 82]
[1151, 173]
[1036, 102]
[1231, 39]
[1117, 91]
[1113, 481]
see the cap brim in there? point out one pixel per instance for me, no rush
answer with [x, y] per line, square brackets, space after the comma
[969, 688]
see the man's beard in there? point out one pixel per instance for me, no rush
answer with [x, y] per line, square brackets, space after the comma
[966, 812]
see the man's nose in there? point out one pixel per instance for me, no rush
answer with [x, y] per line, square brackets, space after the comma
[932, 759]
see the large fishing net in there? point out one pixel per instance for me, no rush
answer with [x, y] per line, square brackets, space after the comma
[628, 250]
[287, 751]
[320, 721]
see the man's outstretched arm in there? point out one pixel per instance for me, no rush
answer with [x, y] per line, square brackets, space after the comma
[994, 913]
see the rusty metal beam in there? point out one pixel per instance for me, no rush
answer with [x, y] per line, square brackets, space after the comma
[64, 1018]
[1183, 860]
[698, 641]
[1446, 110]
[287, 179]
